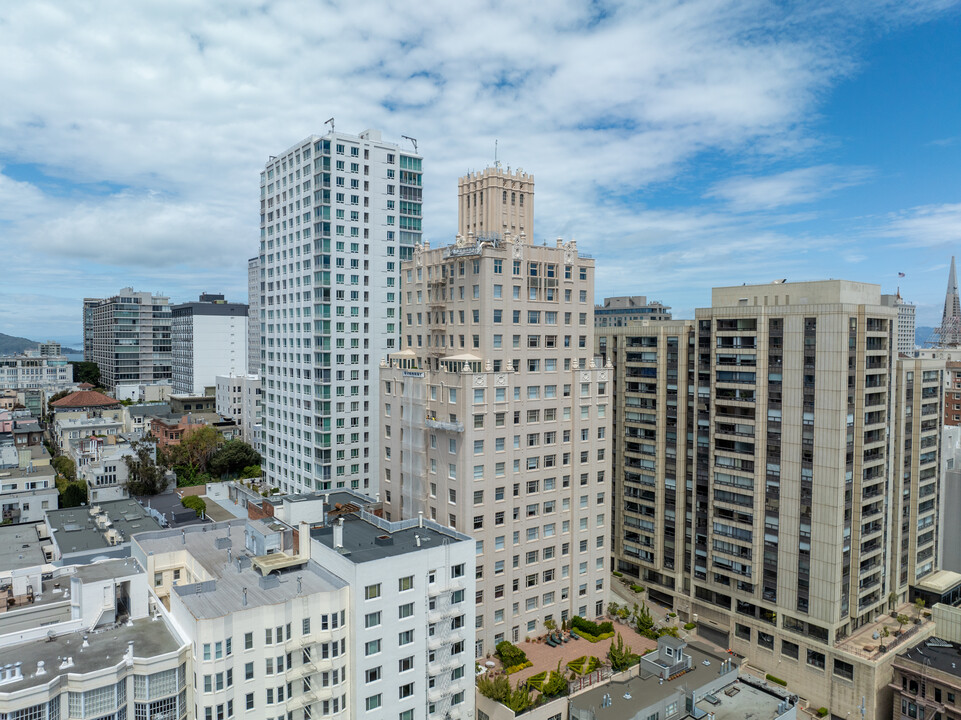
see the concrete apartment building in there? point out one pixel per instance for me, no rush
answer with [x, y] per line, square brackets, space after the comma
[128, 336]
[495, 422]
[352, 617]
[338, 215]
[653, 420]
[617, 311]
[208, 338]
[254, 315]
[240, 398]
[806, 435]
[49, 373]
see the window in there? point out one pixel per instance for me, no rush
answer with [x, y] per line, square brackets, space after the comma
[405, 611]
[370, 592]
[373, 674]
[405, 664]
[405, 691]
[373, 702]
[372, 619]
[372, 647]
[248, 641]
[405, 638]
[815, 659]
[405, 583]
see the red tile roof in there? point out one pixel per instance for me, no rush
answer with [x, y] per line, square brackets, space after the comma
[86, 386]
[84, 399]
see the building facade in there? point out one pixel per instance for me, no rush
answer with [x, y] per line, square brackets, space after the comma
[617, 311]
[240, 397]
[50, 373]
[653, 421]
[338, 215]
[254, 315]
[906, 322]
[208, 338]
[495, 201]
[129, 337]
[495, 422]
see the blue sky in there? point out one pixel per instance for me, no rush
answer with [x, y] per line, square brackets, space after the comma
[683, 144]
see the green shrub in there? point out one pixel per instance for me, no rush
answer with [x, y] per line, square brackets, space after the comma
[556, 685]
[536, 681]
[509, 654]
[592, 638]
[776, 680]
[822, 711]
[195, 503]
[517, 668]
[584, 664]
[690, 626]
[592, 628]
[637, 588]
[617, 574]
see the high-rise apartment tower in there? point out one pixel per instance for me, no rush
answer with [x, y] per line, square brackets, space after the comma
[495, 422]
[128, 336]
[338, 213]
[495, 201]
[254, 320]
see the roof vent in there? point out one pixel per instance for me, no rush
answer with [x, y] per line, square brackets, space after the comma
[384, 540]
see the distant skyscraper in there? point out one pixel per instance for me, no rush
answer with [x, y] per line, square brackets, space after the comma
[949, 334]
[904, 337]
[88, 306]
[494, 202]
[618, 311]
[129, 337]
[254, 289]
[337, 215]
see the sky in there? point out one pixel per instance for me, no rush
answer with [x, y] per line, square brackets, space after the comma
[685, 145]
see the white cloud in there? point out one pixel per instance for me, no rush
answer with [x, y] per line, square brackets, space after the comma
[927, 225]
[792, 187]
[179, 106]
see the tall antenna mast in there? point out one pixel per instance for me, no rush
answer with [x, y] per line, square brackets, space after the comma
[331, 123]
[496, 164]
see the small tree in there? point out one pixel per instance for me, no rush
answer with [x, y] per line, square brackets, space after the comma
[66, 467]
[885, 634]
[620, 655]
[918, 608]
[892, 601]
[902, 621]
[73, 495]
[232, 457]
[550, 625]
[556, 684]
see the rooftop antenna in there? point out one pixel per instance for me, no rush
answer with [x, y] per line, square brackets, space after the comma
[413, 141]
[331, 123]
[496, 163]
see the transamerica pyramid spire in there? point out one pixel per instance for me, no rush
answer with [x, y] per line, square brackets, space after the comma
[949, 334]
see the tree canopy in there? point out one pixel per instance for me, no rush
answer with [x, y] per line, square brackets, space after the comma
[86, 372]
[232, 457]
[145, 477]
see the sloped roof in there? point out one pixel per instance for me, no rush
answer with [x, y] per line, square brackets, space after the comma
[85, 399]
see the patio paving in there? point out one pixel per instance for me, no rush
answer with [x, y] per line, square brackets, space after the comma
[544, 657]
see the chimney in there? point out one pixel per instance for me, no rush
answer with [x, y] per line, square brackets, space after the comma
[420, 518]
[303, 535]
[339, 533]
[183, 537]
[417, 539]
[230, 555]
[40, 669]
[245, 597]
[300, 584]
[130, 649]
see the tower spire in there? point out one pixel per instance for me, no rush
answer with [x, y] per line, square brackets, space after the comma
[950, 331]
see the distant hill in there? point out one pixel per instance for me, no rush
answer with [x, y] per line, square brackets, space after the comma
[922, 333]
[10, 345]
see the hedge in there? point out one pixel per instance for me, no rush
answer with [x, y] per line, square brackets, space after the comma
[535, 681]
[195, 503]
[822, 711]
[592, 628]
[690, 626]
[584, 664]
[517, 668]
[637, 588]
[776, 680]
[593, 638]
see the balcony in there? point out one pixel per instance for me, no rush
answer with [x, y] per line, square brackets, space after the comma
[456, 426]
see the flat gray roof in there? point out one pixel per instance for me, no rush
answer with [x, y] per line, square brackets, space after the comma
[742, 702]
[644, 693]
[106, 569]
[20, 547]
[74, 529]
[342, 496]
[365, 541]
[105, 649]
[223, 592]
[937, 653]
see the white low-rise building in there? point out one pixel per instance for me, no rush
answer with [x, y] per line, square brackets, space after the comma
[353, 617]
[89, 642]
[19, 372]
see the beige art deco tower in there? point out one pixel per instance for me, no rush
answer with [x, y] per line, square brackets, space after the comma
[495, 421]
[495, 202]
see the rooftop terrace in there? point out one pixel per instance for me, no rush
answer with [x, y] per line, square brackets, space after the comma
[367, 538]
